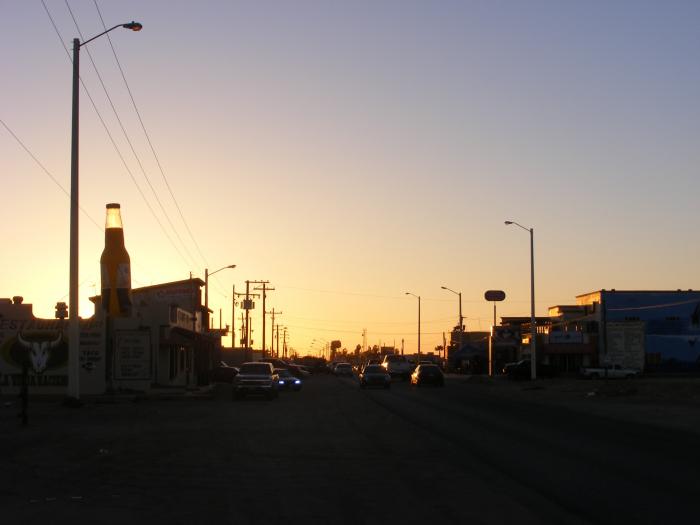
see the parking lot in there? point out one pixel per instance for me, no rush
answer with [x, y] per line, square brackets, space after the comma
[332, 453]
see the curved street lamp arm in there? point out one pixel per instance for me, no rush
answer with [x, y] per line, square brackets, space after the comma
[134, 26]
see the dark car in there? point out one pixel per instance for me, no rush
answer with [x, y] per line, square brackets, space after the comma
[427, 375]
[224, 373]
[279, 363]
[523, 370]
[287, 381]
[375, 375]
[343, 369]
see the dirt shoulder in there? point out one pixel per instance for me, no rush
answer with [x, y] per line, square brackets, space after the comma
[671, 402]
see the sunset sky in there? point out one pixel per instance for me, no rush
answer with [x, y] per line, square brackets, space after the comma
[349, 152]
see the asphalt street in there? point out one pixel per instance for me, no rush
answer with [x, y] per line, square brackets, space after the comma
[333, 453]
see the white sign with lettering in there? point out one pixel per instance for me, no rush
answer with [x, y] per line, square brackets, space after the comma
[132, 355]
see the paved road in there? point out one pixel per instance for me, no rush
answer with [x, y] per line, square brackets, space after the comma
[336, 454]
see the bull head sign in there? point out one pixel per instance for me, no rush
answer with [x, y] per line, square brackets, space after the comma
[39, 351]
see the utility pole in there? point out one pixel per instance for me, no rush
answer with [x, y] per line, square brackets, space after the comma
[273, 313]
[248, 305]
[264, 295]
[190, 360]
[284, 347]
[247, 314]
[278, 341]
[233, 316]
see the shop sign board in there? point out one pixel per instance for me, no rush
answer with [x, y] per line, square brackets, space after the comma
[132, 355]
[625, 344]
[42, 346]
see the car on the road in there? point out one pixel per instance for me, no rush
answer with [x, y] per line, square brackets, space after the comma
[522, 370]
[375, 375]
[343, 369]
[279, 363]
[609, 372]
[427, 375]
[398, 366]
[255, 378]
[223, 373]
[287, 381]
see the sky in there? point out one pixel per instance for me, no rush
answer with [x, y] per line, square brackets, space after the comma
[349, 152]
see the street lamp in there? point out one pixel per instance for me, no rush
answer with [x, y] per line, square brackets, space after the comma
[533, 326]
[418, 297]
[206, 288]
[461, 328]
[74, 307]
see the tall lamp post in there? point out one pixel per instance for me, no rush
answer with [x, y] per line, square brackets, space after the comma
[461, 326]
[73, 302]
[206, 288]
[533, 326]
[417, 297]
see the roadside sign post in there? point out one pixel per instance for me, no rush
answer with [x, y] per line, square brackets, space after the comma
[494, 296]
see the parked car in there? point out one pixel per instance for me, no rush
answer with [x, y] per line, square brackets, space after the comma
[375, 375]
[343, 369]
[508, 366]
[429, 374]
[523, 370]
[397, 366]
[609, 372]
[223, 373]
[255, 378]
[287, 381]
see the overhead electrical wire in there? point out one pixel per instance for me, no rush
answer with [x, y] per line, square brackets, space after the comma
[48, 173]
[126, 136]
[104, 125]
[155, 155]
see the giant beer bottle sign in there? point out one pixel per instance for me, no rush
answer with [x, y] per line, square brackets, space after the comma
[115, 267]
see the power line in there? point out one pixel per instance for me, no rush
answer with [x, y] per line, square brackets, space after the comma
[155, 155]
[48, 173]
[126, 136]
[114, 144]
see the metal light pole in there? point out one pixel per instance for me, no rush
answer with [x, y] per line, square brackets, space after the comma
[73, 302]
[461, 326]
[418, 297]
[533, 326]
[206, 288]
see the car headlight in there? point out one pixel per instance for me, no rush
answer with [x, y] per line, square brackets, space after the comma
[281, 381]
[297, 382]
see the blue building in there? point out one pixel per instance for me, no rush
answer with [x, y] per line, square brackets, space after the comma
[669, 322]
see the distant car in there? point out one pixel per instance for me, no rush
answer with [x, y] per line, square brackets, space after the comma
[224, 373]
[286, 381]
[279, 363]
[427, 375]
[255, 377]
[343, 369]
[523, 370]
[397, 366]
[375, 375]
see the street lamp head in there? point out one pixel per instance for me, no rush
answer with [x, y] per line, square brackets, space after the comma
[444, 287]
[134, 26]
[508, 223]
[231, 266]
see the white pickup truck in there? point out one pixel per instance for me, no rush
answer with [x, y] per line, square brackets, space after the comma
[609, 372]
[398, 366]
